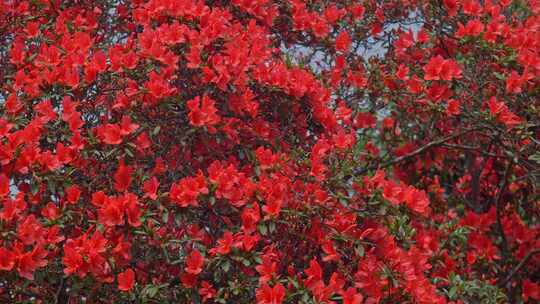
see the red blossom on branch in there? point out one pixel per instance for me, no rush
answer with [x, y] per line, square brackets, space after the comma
[264, 151]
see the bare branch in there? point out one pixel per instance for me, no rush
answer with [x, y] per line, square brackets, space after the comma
[416, 152]
[519, 266]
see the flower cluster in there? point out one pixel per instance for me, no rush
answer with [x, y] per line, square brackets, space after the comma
[270, 151]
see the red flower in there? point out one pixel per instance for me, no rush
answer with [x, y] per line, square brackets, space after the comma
[514, 82]
[496, 107]
[30, 230]
[4, 185]
[194, 57]
[189, 280]
[46, 111]
[150, 188]
[250, 218]
[126, 126]
[98, 198]
[73, 193]
[224, 244]
[132, 209]
[112, 213]
[502, 113]
[158, 87]
[267, 269]
[351, 296]
[453, 107]
[186, 191]
[113, 210]
[473, 28]
[207, 291]
[531, 290]
[12, 104]
[210, 142]
[419, 202]
[330, 251]
[84, 255]
[272, 207]
[73, 261]
[314, 273]
[122, 177]
[433, 68]
[202, 112]
[441, 69]
[110, 134]
[365, 120]
[28, 262]
[343, 42]
[266, 158]
[126, 280]
[472, 7]
[11, 208]
[7, 259]
[5, 127]
[194, 262]
[270, 295]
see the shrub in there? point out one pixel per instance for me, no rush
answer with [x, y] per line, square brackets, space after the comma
[260, 151]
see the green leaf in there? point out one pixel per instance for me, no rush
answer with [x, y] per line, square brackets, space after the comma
[452, 293]
[272, 227]
[128, 152]
[499, 76]
[262, 229]
[152, 291]
[226, 266]
[360, 250]
[165, 216]
[34, 188]
[535, 157]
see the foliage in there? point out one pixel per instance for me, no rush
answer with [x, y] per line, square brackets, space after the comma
[264, 151]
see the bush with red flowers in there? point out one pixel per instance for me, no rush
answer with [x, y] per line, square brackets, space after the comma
[265, 151]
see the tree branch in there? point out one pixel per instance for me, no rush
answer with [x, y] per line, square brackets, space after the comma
[498, 207]
[520, 265]
[414, 153]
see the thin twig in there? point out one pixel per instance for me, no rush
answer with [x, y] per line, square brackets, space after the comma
[520, 265]
[473, 148]
[414, 153]
[59, 290]
[498, 207]
[504, 243]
